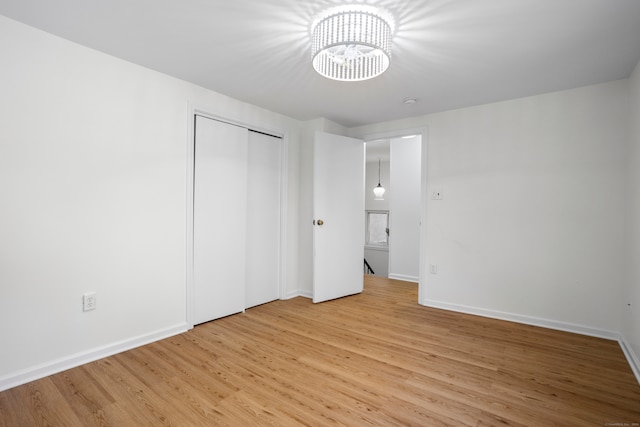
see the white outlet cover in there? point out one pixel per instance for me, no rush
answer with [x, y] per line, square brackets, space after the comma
[89, 301]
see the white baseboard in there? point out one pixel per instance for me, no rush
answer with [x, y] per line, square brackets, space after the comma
[59, 365]
[631, 356]
[294, 294]
[527, 320]
[404, 277]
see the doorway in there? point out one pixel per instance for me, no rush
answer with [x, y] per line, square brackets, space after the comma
[376, 217]
[392, 249]
[422, 132]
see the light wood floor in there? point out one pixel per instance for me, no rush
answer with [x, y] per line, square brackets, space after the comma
[373, 359]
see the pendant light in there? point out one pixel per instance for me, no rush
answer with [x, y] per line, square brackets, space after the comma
[379, 190]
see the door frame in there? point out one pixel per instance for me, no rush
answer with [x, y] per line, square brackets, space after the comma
[192, 111]
[424, 200]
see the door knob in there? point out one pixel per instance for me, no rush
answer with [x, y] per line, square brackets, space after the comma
[320, 222]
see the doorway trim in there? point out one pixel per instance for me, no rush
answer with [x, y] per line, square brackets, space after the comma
[424, 200]
[192, 112]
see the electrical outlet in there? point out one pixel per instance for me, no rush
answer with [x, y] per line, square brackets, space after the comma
[89, 301]
[433, 268]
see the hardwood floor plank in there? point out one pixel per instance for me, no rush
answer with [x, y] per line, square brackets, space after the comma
[38, 403]
[377, 358]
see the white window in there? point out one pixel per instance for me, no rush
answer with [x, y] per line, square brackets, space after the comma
[377, 228]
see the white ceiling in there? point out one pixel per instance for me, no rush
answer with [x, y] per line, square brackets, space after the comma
[446, 53]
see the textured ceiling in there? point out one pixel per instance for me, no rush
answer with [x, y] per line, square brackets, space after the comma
[446, 53]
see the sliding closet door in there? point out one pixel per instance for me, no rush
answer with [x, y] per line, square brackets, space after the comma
[220, 219]
[263, 219]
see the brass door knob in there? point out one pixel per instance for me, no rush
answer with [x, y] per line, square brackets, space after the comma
[320, 222]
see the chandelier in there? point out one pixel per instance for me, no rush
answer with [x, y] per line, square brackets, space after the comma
[352, 45]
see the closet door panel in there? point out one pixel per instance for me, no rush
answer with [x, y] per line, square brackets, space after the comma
[263, 219]
[220, 219]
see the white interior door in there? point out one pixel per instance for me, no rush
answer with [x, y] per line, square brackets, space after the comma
[338, 206]
[263, 219]
[219, 219]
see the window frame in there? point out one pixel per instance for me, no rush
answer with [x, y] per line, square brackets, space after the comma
[367, 234]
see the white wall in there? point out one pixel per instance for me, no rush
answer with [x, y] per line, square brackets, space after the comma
[631, 320]
[93, 183]
[404, 239]
[531, 225]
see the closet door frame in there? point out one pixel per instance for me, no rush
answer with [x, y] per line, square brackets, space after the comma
[194, 111]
